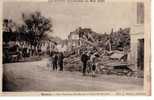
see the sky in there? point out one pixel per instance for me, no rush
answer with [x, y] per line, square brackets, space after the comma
[66, 18]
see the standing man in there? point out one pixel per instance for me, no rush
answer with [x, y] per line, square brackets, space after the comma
[93, 63]
[50, 63]
[84, 59]
[60, 60]
[55, 59]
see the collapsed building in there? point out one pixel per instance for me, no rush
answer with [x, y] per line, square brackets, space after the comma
[86, 39]
[111, 48]
[135, 46]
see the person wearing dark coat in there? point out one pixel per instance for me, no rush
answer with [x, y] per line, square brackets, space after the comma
[60, 60]
[84, 59]
[55, 59]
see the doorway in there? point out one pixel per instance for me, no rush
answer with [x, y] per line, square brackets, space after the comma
[140, 54]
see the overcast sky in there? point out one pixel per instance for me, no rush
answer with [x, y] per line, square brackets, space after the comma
[67, 17]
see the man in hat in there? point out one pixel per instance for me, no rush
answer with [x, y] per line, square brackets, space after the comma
[60, 60]
[84, 59]
[55, 60]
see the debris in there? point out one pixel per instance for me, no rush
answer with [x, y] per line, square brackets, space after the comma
[117, 56]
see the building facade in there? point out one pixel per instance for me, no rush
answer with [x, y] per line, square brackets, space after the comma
[137, 38]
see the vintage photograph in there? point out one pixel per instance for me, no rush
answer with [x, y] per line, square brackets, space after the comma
[73, 46]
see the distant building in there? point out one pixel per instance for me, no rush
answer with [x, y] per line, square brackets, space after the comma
[73, 36]
[62, 46]
[73, 39]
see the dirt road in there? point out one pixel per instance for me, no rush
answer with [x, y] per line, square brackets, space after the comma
[35, 76]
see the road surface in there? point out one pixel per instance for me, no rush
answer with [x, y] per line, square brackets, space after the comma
[35, 76]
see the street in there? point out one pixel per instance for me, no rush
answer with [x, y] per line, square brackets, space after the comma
[35, 76]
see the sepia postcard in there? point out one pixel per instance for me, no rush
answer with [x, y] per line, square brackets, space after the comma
[75, 47]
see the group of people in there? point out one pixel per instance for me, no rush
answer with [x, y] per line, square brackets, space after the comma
[28, 49]
[56, 61]
[88, 60]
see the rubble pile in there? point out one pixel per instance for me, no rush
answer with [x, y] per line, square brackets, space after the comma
[102, 44]
[72, 63]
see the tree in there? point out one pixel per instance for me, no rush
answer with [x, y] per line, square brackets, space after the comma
[35, 27]
[9, 30]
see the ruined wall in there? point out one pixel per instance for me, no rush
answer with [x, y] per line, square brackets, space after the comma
[137, 33]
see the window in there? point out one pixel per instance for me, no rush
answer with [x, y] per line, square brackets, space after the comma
[140, 13]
